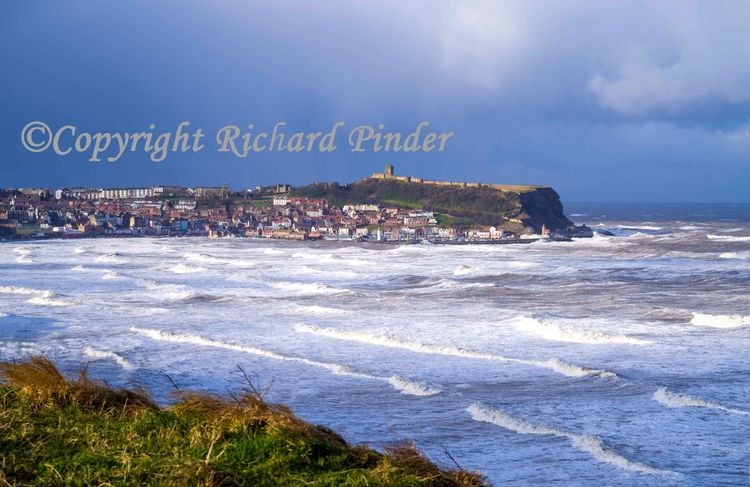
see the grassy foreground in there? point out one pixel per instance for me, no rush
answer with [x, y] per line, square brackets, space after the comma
[60, 431]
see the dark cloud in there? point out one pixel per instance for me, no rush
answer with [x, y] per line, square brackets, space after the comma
[603, 100]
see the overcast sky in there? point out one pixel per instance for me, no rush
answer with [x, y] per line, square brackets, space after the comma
[604, 101]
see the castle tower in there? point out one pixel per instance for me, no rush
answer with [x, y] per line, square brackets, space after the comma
[389, 171]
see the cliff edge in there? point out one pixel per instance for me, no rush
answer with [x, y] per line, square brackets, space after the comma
[513, 208]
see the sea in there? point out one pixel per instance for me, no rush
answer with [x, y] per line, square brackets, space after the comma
[622, 359]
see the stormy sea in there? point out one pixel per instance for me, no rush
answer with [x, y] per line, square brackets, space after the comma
[622, 359]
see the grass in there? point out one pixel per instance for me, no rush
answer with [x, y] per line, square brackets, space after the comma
[56, 430]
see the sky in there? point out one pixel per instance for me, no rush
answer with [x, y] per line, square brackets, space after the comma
[602, 100]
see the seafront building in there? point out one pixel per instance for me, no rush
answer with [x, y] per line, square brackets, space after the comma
[263, 212]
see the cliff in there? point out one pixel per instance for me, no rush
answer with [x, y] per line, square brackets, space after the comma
[509, 207]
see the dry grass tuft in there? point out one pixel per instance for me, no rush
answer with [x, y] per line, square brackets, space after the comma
[43, 382]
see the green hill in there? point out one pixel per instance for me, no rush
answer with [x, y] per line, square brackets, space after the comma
[512, 208]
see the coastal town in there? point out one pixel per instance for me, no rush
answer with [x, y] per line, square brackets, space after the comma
[261, 212]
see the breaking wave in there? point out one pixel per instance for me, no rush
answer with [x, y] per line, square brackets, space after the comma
[400, 384]
[319, 310]
[105, 355]
[555, 365]
[111, 275]
[550, 331]
[78, 268]
[41, 297]
[412, 388]
[675, 400]
[187, 269]
[305, 288]
[719, 321]
[112, 258]
[586, 443]
[735, 255]
[22, 290]
[46, 300]
[728, 238]
[149, 311]
[197, 257]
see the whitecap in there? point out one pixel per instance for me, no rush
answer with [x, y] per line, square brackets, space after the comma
[590, 444]
[719, 321]
[728, 238]
[106, 355]
[403, 385]
[186, 269]
[744, 255]
[675, 400]
[550, 331]
[304, 287]
[47, 301]
[555, 365]
[22, 290]
[112, 258]
[318, 310]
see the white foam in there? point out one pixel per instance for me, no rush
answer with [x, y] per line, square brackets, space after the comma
[675, 400]
[47, 301]
[196, 257]
[554, 332]
[79, 268]
[555, 365]
[719, 321]
[412, 388]
[464, 270]
[79, 250]
[41, 297]
[186, 269]
[585, 443]
[304, 288]
[149, 311]
[113, 258]
[106, 355]
[24, 259]
[744, 255]
[402, 385]
[22, 290]
[319, 310]
[728, 238]
[111, 275]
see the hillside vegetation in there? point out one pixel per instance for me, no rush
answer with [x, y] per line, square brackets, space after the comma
[511, 209]
[58, 431]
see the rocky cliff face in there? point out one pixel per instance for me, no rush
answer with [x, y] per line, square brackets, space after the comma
[543, 206]
[462, 206]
